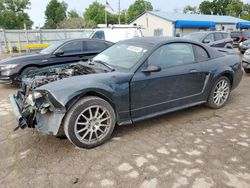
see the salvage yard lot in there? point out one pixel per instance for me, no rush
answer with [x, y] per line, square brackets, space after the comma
[197, 147]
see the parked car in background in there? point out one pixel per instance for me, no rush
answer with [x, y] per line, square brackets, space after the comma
[245, 45]
[172, 73]
[212, 38]
[116, 33]
[239, 36]
[246, 61]
[59, 52]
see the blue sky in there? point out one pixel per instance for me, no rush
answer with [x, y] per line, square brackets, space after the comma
[38, 6]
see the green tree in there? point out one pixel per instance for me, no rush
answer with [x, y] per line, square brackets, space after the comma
[214, 7]
[55, 13]
[76, 23]
[246, 12]
[190, 9]
[73, 14]
[96, 13]
[138, 8]
[205, 8]
[123, 16]
[235, 8]
[12, 15]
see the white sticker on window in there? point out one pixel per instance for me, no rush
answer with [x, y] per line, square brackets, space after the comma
[135, 49]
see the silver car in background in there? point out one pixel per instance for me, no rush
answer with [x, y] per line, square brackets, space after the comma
[246, 61]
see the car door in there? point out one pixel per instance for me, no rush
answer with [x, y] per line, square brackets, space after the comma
[209, 39]
[178, 83]
[219, 40]
[71, 51]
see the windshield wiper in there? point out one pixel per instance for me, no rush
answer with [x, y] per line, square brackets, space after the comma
[91, 62]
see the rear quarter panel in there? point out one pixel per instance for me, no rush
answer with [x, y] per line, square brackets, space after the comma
[227, 65]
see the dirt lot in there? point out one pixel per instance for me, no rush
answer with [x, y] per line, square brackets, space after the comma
[197, 147]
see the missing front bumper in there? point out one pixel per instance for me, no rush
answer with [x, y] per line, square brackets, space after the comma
[22, 123]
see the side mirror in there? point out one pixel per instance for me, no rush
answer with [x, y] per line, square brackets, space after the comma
[59, 53]
[151, 68]
[206, 41]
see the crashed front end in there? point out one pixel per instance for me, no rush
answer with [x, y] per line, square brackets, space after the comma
[38, 108]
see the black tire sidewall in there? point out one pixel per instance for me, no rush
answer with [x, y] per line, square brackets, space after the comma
[81, 105]
[210, 102]
[247, 70]
[27, 69]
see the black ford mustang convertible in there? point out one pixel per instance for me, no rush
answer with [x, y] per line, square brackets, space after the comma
[132, 80]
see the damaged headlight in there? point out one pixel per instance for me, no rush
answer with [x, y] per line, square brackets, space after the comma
[32, 97]
[37, 95]
[44, 108]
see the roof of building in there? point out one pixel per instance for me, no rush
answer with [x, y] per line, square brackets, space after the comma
[173, 17]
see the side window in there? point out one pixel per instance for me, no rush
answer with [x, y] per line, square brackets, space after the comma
[218, 36]
[95, 46]
[72, 47]
[172, 55]
[99, 35]
[209, 38]
[201, 53]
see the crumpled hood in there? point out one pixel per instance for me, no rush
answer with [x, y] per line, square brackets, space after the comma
[67, 88]
[23, 58]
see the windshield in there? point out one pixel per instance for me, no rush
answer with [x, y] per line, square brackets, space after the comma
[122, 55]
[52, 47]
[195, 36]
[235, 34]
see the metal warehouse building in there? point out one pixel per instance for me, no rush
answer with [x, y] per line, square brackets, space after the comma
[154, 23]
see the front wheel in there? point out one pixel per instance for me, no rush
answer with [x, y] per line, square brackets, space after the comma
[90, 122]
[219, 93]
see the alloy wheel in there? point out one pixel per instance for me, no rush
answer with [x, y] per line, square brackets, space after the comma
[221, 92]
[93, 124]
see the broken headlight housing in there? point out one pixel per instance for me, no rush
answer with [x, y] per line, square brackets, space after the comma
[32, 97]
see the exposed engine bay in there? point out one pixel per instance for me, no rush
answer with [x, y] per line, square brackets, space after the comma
[32, 104]
[38, 78]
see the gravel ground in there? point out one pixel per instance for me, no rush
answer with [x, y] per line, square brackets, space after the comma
[197, 147]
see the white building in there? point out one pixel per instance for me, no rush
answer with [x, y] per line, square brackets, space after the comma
[154, 23]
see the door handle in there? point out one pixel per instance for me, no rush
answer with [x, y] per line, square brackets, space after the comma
[193, 71]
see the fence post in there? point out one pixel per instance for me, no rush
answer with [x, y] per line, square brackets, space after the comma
[19, 46]
[5, 39]
[10, 47]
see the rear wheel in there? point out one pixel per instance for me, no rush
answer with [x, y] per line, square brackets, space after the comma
[90, 122]
[219, 93]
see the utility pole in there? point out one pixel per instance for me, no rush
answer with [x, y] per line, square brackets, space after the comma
[119, 12]
[106, 16]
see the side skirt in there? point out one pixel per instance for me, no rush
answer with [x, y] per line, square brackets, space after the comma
[166, 111]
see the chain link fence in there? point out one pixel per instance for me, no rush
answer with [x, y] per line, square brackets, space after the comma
[15, 38]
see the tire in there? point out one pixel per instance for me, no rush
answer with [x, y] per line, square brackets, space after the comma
[247, 70]
[221, 89]
[16, 80]
[28, 69]
[90, 122]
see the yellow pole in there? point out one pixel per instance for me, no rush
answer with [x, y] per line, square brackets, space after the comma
[19, 46]
[10, 47]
